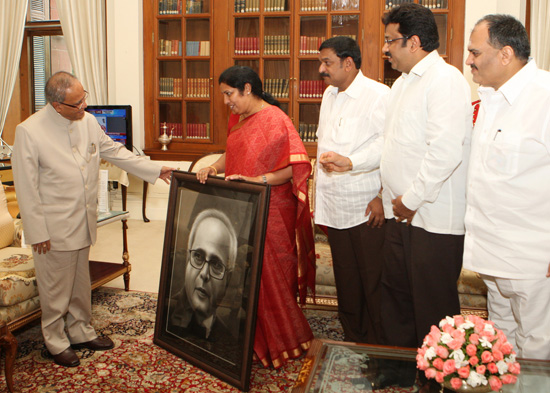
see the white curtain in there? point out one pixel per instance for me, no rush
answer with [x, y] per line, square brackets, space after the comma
[540, 33]
[83, 24]
[12, 27]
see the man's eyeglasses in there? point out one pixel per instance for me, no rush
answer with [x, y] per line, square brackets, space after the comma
[386, 41]
[216, 268]
[79, 104]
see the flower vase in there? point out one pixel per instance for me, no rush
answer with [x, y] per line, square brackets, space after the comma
[465, 388]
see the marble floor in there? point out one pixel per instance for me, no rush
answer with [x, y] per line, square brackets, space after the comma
[145, 243]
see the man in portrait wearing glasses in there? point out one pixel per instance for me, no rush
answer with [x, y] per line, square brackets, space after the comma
[56, 158]
[423, 168]
[210, 260]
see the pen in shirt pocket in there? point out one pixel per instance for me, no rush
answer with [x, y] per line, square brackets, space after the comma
[496, 134]
[92, 148]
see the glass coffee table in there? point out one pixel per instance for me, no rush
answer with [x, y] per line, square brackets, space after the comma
[343, 367]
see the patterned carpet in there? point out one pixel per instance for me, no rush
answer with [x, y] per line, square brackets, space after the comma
[136, 364]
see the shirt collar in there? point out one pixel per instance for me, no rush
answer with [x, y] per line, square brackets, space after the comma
[515, 85]
[57, 117]
[353, 90]
[423, 65]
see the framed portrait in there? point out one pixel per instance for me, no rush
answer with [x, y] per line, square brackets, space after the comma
[210, 274]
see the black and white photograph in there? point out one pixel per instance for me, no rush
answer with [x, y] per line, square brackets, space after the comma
[210, 274]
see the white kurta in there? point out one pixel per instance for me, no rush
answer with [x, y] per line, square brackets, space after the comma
[508, 214]
[426, 145]
[351, 123]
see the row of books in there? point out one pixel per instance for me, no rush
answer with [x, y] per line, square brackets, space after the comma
[198, 130]
[313, 5]
[274, 5]
[174, 7]
[174, 129]
[348, 5]
[312, 89]
[433, 4]
[277, 45]
[247, 46]
[310, 45]
[198, 87]
[169, 47]
[247, 5]
[193, 7]
[168, 7]
[307, 132]
[389, 81]
[197, 48]
[277, 87]
[171, 87]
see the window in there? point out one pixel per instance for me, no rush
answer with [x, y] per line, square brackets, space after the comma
[47, 51]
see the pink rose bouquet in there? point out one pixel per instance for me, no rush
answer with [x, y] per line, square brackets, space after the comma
[468, 350]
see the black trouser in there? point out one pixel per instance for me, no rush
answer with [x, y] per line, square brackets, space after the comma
[419, 284]
[357, 255]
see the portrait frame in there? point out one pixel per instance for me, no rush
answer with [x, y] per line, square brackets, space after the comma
[225, 347]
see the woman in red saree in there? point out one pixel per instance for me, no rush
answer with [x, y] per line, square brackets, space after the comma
[265, 147]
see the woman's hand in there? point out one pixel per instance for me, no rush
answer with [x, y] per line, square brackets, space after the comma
[203, 173]
[257, 179]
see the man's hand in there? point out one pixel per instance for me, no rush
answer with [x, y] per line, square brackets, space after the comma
[42, 248]
[334, 162]
[376, 210]
[166, 173]
[548, 274]
[402, 212]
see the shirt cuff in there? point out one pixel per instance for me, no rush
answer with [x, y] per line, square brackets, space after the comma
[358, 162]
[411, 201]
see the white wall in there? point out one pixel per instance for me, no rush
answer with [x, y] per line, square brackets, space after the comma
[125, 57]
[125, 60]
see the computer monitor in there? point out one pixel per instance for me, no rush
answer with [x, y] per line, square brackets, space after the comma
[116, 121]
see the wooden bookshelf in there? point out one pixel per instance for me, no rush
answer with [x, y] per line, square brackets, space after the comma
[188, 43]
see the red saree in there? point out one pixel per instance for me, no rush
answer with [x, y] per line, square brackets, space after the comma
[266, 142]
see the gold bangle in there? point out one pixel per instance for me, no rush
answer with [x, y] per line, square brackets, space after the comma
[215, 170]
[379, 195]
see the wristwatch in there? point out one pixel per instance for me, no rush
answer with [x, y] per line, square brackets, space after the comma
[264, 179]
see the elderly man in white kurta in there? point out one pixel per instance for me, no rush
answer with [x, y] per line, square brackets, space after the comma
[508, 203]
[56, 159]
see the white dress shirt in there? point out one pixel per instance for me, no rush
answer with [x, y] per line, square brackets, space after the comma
[426, 139]
[351, 123]
[508, 211]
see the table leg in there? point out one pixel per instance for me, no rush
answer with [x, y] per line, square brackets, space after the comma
[144, 201]
[125, 254]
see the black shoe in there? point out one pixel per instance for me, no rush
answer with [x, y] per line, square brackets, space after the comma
[97, 344]
[67, 358]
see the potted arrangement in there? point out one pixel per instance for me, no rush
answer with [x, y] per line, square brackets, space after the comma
[468, 354]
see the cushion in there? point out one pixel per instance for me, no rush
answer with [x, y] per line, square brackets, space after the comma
[17, 276]
[324, 274]
[471, 283]
[13, 291]
[6, 221]
[8, 314]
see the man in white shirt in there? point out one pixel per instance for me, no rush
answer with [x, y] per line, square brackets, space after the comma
[350, 138]
[507, 216]
[423, 177]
